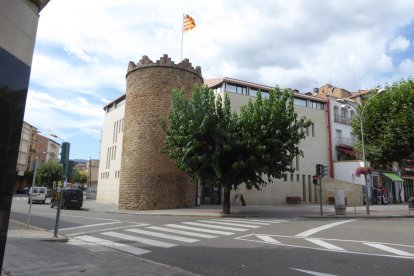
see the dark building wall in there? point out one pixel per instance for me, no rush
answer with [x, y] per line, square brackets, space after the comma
[149, 179]
[18, 25]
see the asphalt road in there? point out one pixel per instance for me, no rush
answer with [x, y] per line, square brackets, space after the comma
[239, 246]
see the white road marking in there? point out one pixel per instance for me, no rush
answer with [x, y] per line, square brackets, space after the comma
[243, 221]
[200, 229]
[325, 244]
[257, 220]
[390, 249]
[161, 235]
[181, 232]
[114, 245]
[321, 228]
[401, 254]
[268, 239]
[89, 225]
[312, 272]
[230, 223]
[139, 239]
[105, 229]
[215, 226]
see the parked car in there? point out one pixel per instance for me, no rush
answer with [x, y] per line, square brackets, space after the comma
[38, 194]
[72, 198]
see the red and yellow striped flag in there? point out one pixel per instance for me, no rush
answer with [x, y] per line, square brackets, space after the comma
[188, 23]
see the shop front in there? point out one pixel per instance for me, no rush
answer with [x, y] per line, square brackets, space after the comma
[394, 188]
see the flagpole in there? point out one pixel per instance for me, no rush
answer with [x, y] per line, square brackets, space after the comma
[182, 38]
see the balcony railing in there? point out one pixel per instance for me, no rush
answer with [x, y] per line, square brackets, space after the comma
[347, 141]
[342, 119]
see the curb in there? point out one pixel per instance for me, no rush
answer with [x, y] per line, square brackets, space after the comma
[34, 232]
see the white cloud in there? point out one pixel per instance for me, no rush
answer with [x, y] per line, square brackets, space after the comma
[406, 66]
[399, 44]
[83, 47]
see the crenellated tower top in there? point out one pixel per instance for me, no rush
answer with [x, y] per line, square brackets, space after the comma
[164, 61]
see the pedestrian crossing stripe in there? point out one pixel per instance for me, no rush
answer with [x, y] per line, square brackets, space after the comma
[139, 239]
[181, 232]
[114, 245]
[161, 235]
[207, 229]
[230, 223]
[243, 221]
[216, 226]
[199, 229]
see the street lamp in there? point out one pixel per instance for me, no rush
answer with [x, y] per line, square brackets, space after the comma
[362, 138]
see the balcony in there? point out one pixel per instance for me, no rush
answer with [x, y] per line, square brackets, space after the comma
[345, 141]
[342, 119]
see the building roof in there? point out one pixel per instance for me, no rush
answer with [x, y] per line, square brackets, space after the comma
[117, 100]
[218, 81]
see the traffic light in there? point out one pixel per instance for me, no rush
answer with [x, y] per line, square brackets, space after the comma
[315, 179]
[64, 157]
[321, 170]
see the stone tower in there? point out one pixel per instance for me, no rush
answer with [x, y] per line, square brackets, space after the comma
[150, 179]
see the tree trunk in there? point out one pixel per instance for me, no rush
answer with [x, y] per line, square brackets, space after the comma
[226, 201]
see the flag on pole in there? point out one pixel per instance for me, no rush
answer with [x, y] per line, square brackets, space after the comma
[188, 23]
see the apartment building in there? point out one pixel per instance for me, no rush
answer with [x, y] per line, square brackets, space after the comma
[315, 147]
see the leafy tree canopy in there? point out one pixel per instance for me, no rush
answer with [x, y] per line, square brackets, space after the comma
[388, 124]
[49, 172]
[80, 177]
[219, 147]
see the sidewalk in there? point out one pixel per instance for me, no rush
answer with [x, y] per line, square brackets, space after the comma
[265, 211]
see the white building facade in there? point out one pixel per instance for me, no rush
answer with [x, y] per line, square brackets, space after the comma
[111, 152]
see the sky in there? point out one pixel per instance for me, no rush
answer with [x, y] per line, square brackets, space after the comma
[83, 48]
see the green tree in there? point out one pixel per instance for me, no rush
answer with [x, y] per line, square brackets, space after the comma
[388, 124]
[218, 147]
[49, 172]
[80, 177]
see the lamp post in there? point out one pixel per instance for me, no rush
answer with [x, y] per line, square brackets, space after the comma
[362, 140]
[64, 161]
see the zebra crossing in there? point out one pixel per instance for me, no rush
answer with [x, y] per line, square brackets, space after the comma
[166, 236]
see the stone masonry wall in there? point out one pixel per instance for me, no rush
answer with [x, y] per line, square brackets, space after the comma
[149, 179]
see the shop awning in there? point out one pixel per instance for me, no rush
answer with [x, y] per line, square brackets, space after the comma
[393, 177]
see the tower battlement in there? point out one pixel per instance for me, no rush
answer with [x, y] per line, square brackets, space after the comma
[164, 61]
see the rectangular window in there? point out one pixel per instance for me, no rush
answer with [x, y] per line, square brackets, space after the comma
[291, 177]
[313, 129]
[265, 94]
[300, 102]
[231, 88]
[297, 177]
[252, 92]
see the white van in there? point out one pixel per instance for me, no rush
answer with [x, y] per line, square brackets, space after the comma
[38, 194]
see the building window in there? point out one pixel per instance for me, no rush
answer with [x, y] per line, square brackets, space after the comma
[297, 177]
[299, 102]
[313, 129]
